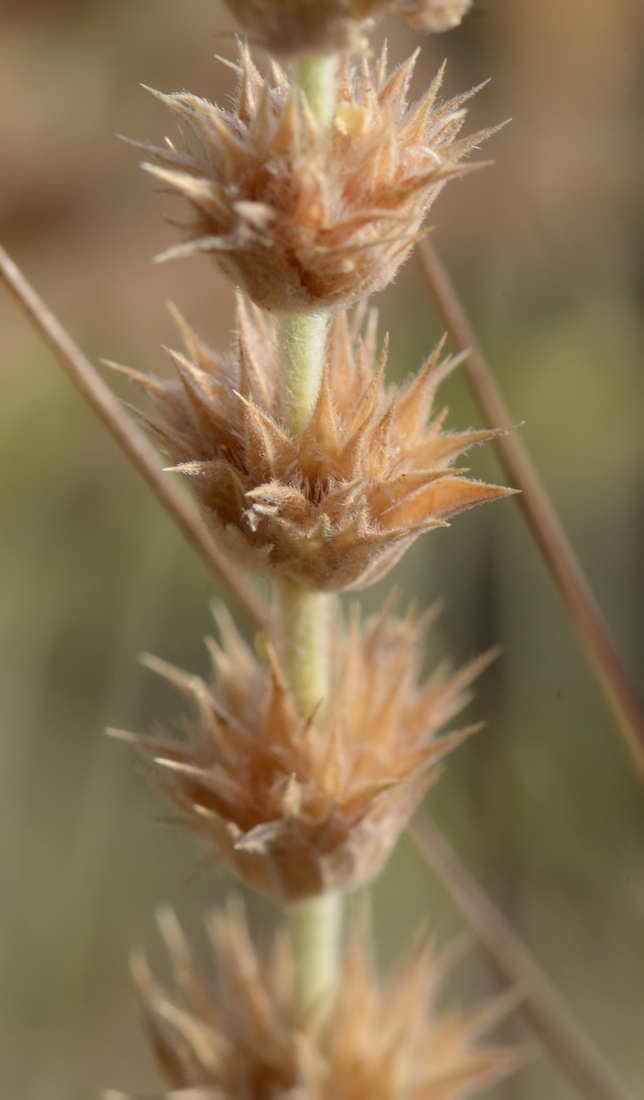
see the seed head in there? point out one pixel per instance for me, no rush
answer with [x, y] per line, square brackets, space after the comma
[302, 805]
[244, 1038]
[286, 27]
[300, 217]
[337, 507]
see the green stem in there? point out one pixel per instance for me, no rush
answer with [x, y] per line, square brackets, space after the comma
[315, 75]
[315, 924]
[315, 928]
[303, 335]
[303, 343]
[305, 627]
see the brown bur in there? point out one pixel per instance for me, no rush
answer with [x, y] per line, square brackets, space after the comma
[299, 806]
[244, 1038]
[304, 217]
[336, 508]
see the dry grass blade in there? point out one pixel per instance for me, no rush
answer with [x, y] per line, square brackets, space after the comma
[540, 514]
[132, 441]
[541, 1006]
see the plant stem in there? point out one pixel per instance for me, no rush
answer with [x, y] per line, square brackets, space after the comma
[541, 1005]
[305, 626]
[315, 75]
[129, 437]
[303, 335]
[540, 513]
[302, 346]
[315, 924]
[315, 929]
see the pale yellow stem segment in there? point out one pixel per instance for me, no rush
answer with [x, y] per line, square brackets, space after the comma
[305, 627]
[316, 924]
[302, 347]
[316, 928]
[315, 75]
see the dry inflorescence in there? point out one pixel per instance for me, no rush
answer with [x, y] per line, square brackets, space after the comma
[244, 1038]
[305, 218]
[286, 27]
[336, 508]
[301, 805]
[308, 211]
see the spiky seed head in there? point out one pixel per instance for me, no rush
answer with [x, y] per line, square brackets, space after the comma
[242, 1037]
[300, 805]
[300, 217]
[337, 507]
[287, 27]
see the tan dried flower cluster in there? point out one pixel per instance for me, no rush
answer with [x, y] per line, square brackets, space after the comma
[336, 508]
[299, 805]
[306, 761]
[286, 27]
[305, 218]
[245, 1039]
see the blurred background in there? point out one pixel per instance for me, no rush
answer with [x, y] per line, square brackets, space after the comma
[548, 248]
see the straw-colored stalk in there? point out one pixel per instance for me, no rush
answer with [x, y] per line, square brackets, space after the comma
[315, 924]
[547, 529]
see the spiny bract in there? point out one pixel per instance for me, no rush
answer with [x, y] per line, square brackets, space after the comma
[302, 805]
[336, 508]
[245, 1038]
[305, 218]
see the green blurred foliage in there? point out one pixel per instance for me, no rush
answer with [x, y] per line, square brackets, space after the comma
[547, 247]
